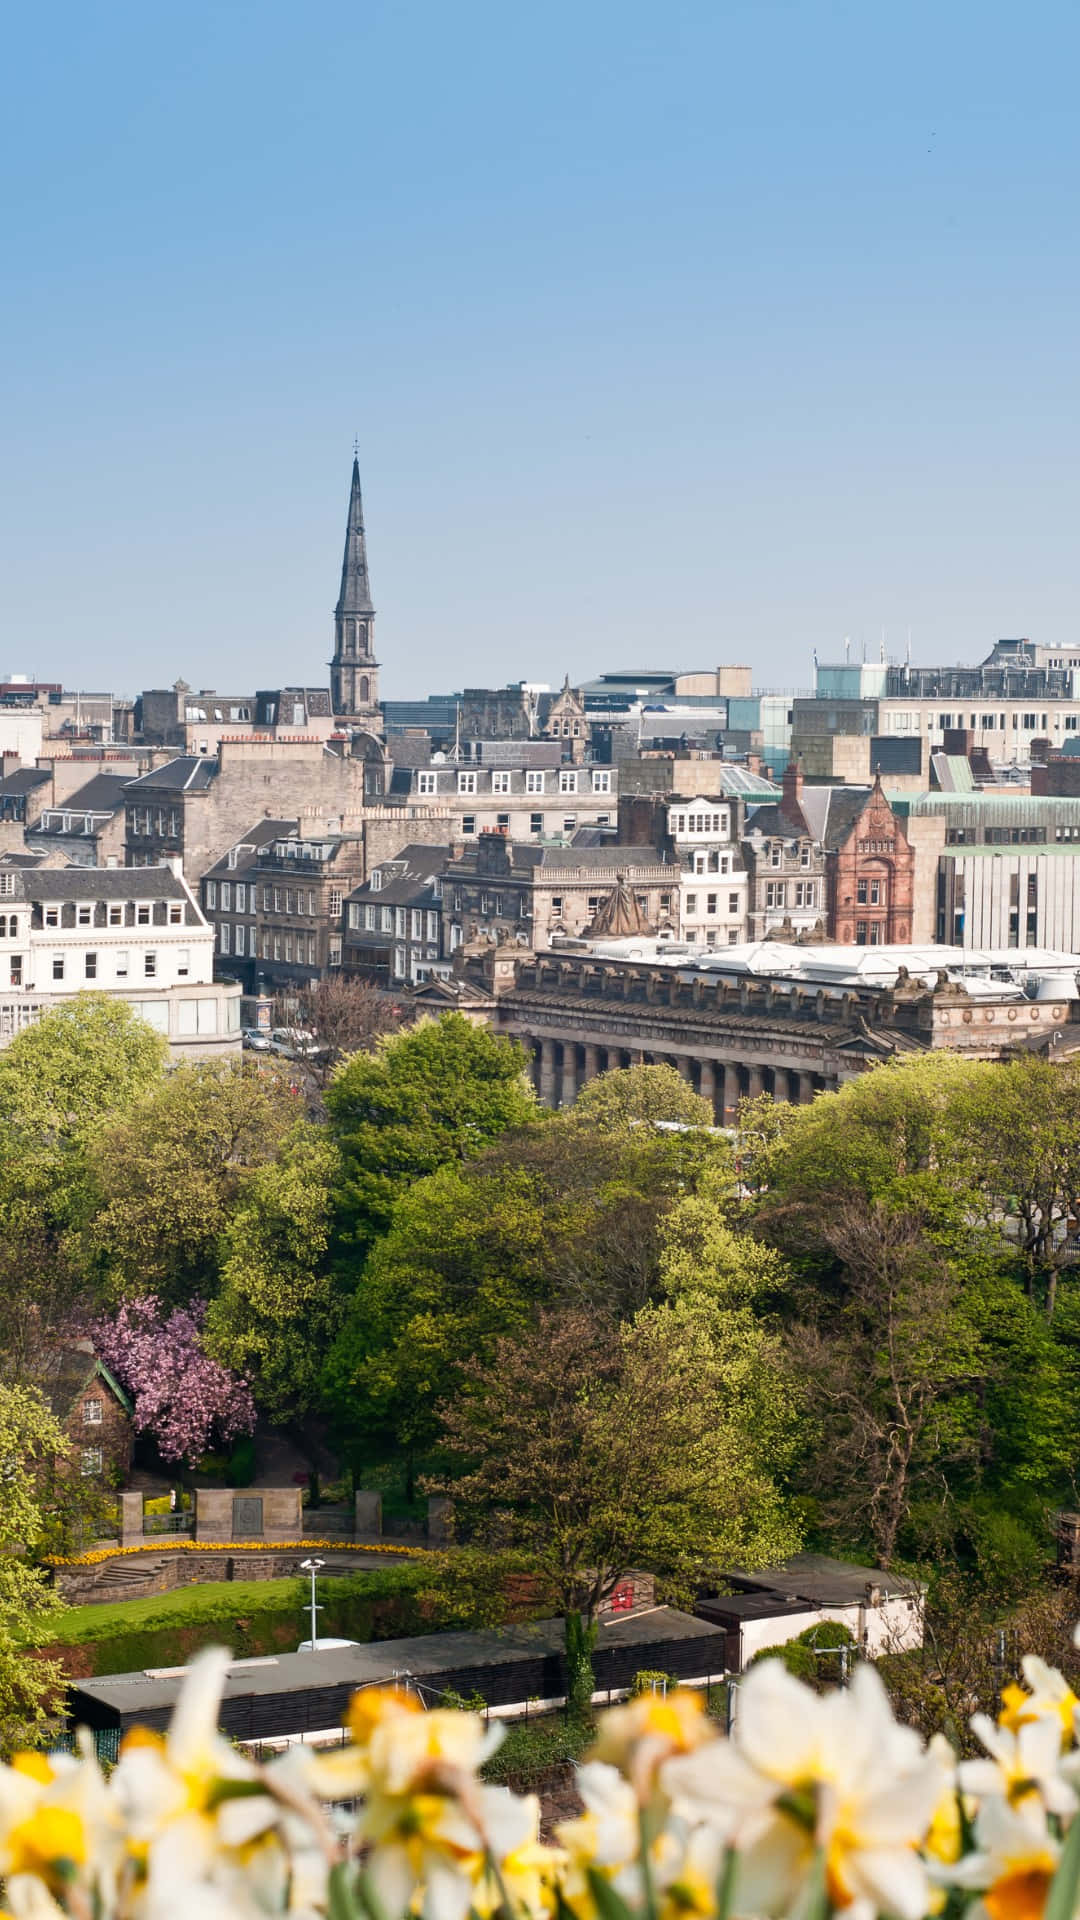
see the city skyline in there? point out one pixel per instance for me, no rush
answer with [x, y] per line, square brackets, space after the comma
[715, 337]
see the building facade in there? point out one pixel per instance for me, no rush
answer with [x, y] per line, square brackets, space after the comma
[137, 935]
[393, 927]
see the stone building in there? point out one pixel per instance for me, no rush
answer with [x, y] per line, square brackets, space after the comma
[88, 828]
[786, 869]
[230, 901]
[198, 808]
[92, 1409]
[870, 866]
[805, 1024]
[392, 931]
[500, 892]
[529, 799]
[302, 884]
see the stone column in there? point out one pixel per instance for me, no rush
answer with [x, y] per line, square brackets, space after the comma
[732, 1092]
[757, 1083]
[547, 1072]
[707, 1086]
[569, 1073]
[440, 1520]
[131, 1519]
[592, 1062]
[685, 1066]
[368, 1521]
[782, 1083]
[806, 1088]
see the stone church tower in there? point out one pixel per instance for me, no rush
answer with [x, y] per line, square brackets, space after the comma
[354, 670]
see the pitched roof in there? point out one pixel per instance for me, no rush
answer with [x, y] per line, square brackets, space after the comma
[70, 1370]
[247, 848]
[189, 772]
[103, 794]
[23, 780]
[100, 883]
[419, 866]
[831, 812]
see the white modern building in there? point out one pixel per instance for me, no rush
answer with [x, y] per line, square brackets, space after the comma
[136, 932]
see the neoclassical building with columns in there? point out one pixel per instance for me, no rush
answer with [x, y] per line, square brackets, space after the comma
[580, 1014]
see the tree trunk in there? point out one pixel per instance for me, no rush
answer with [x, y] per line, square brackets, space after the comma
[580, 1679]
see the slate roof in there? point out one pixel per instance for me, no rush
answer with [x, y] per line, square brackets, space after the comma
[831, 812]
[567, 858]
[103, 794]
[101, 883]
[262, 834]
[188, 773]
[421, 866]
[69, 1372]
[23, 780]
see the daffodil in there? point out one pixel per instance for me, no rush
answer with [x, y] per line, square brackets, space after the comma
[1023, 1764]
[55, 1822]
[638, 1737]
[808, 1774]
[1013, 1864]
[1048, 1692]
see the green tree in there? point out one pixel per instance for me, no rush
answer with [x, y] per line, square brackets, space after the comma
[636, 1096]
[166, 1175]
[437, 1093]
[601, 1447]
[30, 1445]
[278, 1310]
[90, 1057]
[560, 1212]
[59, 1082]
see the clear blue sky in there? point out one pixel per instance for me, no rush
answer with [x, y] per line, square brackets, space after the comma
[671, 333]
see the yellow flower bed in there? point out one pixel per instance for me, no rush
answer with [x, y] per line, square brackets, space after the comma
[226, 1546]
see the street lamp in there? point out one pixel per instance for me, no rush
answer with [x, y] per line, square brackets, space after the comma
[313, 1567]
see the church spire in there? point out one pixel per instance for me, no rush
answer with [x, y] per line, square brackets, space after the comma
[355, 595]
[354, 673]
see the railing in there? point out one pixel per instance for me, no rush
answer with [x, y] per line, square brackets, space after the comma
[169, 1522]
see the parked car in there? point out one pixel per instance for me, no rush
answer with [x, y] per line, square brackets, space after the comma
[294, 1043]
[255, 1038]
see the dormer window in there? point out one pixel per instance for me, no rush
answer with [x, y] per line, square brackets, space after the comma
[7, 883]
[84, 916]
[376, 881]
[52, 916]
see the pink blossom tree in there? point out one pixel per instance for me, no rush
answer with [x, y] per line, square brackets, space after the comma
[182, 1398]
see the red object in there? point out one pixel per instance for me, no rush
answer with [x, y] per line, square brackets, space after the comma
[622, 1598]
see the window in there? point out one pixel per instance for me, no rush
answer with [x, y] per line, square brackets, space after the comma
[333, 954]
[861, 892]
[502, 822]
[16, 969]
[267, 899]
[399, 963]
[427, 783]
[116, 916]
[466, 783]
[239, 941]
[386, 919]
[601, 781]
[335, 903]
[84, 916]
[556, 903]
[534, 782]
[536, 823]
[224, 937]
[804, 855]
[567, 781]
[120, 961]
[58, 966]
[226, 896]
[91, 1461]
[142, 914]
[691, 903]
[775, 893]
[710, 903]
[468, 823]
[805, 893]
[91, 1413]
[150, 959]
[277, 946]
[289, 949]
[500, 783]
[860, 933]
[241, 897]
[776, 854]
[90, 966]
[569, 822]
[183, 958]
[289, 901]
[52, 916]
[416, 924]
[277, 899]
[432, 925]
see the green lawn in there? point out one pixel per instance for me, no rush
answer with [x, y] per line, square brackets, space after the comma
[223, 1600]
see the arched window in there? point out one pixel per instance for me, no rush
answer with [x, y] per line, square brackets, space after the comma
[364, 686]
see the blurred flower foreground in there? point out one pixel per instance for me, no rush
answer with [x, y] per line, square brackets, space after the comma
[816, 1805]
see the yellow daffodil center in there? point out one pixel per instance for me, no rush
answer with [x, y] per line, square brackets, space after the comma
[51, 1843]
[1020, 1895]
[35, 1766]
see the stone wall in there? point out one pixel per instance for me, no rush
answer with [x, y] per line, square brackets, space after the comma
[229, 1513]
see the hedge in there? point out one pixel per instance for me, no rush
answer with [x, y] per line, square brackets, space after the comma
[251, 1617]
